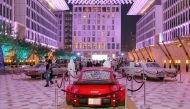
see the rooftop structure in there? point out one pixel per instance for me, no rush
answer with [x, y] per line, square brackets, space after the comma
[100, 2]
[139, 7]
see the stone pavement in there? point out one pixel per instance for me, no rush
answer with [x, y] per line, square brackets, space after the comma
[168, 94]
[25, 93]
[20, 92]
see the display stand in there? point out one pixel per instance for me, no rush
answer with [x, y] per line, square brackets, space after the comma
[180, 76]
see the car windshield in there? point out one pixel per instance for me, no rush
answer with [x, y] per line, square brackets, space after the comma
[152, 65]
[96, 75]
[137, 65]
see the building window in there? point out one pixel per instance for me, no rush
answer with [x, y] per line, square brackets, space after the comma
[108, 45]
[98, 27]
[117, 45]
[117, 9]
[4, 11]
[108, 33]
[93, 39]
[28, 23]
[113, 46]
[104, 9]
[113, 39]
[0, 9]
[103, 27]
[112, 27]
[88, 39]
[113, 9]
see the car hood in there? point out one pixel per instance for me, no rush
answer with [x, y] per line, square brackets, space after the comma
[93, 89]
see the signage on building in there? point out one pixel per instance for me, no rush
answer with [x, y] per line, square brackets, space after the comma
[2, 67]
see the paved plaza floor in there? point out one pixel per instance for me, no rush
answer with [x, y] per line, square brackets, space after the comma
[21, 92]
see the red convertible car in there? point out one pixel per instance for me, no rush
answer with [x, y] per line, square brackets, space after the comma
[96, 86]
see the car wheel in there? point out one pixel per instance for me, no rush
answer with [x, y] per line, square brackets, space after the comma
[161, 78]
[33, 77]
[144, 75]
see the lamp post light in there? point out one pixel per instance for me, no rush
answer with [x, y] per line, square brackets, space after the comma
[179, 62]
[176, 65]
[122, 54]
[187, 65]
[164, 63]
[78, 54]
[170, 63]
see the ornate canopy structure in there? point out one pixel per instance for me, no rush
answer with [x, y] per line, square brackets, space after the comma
[100, 2]
[57, 4]
[139, 7]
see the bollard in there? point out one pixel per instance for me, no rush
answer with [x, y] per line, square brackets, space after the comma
[41, 79]
[126, 94]
[187, 65]
[132, 84]
[56, 107]
[144, 106]
[178, 70]
[180, 78]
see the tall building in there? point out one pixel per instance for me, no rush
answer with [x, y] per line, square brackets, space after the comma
[60, 28]
[68, 29]
[176, 19]
[35, 22]
[172, 39]
[64, 28]
[6, 16]
[97, 29]
[149, 27]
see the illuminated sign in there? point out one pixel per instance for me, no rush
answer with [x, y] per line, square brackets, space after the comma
[99, 57]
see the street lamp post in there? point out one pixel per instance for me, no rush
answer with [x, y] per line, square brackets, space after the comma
[187, 65]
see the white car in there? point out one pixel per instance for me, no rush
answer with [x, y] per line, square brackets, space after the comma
[39, 69]
[149, 69]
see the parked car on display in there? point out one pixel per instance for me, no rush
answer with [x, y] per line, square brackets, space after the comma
[149, 69]
[39, 69]
[96, 87]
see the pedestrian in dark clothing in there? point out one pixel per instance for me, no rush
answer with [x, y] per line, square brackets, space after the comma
[80, 66]
[48, 72]
[98, 64]
[89, 64]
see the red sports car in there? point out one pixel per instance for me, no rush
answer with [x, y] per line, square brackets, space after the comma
[96, 86]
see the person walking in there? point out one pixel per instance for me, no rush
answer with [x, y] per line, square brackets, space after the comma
[48, 73]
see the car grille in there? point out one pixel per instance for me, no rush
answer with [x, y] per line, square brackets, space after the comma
[84, 101]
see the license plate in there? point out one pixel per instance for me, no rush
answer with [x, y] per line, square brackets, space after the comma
[94, 101]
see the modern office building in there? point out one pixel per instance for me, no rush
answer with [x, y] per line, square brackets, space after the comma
[68, 30]
[97, 29]
[149, 27]
[60, 28]
[64, 28]
[176, 19]
[6, 16]
[173, 41]
[35, 22]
